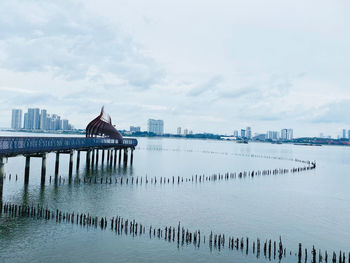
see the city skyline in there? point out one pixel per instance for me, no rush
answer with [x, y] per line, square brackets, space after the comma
[38, 119]
[211, 80]
[157, 127]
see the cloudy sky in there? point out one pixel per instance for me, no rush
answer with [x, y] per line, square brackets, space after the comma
[210, 66]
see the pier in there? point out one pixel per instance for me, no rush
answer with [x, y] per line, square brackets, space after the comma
[39, 147]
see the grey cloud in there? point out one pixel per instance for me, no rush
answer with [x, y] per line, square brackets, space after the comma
[207, 86]
[336, 112]
[67, 43]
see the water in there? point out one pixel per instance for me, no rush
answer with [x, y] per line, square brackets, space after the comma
[311, 207]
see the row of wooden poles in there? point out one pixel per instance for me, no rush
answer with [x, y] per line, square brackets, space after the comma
[177, 179]
[178, 234]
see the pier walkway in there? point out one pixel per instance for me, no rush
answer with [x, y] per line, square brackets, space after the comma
[41, 146]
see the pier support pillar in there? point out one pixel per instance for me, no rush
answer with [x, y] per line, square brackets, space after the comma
[111, 159]
[115, 157]
[78, 160]
[57, 165]
[43, 169]
[70, 164]
[2, 173]
[26, 170]
[108, 155]
[120, 156]
[103, 156]
[88, 159]
[93, 158]
[132, 157]
[125, 156]
[97, 156]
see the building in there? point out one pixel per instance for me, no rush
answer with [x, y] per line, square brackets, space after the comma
[65, 125]
[178, 131]
[287, 134]
[249, 132]
[185, 132]
[272, 135]
[243, 133]
[25, 121]
[235, 133]
[43, 119]
[344, 134]
[36, 119]
[135, 128]
[348, 134]
[155, 126]
[16, 122]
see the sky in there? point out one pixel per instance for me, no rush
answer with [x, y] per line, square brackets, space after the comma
[208, 66]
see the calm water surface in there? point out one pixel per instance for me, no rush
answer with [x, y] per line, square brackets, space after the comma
[310, 207]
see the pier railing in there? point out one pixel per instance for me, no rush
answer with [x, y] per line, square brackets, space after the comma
[10, 146]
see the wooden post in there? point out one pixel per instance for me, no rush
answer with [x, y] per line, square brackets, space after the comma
[88, 159]
[70, 164]
[115, 157]
[2, 173]
[97, 156]
[26, 171]
[43, 169]
[57, 165]
[111, 158]
[120, 156]
[132, 157]
[125, 156]
[78, 160]
[93, 158]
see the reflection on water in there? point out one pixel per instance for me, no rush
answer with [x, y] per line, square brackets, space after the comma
[300, 207]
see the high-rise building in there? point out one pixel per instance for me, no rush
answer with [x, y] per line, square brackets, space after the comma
[178, 131]
[25, 121]
[33, 119]
[185, 132]
[287, 134]
[43, 120]
[155, 126]
[65, 125]
[344, 134]
[272, 135]
[348, 134]
[235, 133]
[243, 134]
[16, 122]
[249, 132]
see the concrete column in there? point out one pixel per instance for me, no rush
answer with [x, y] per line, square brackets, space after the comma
[97, 156]
[103, 156]
[2, 173]
[115, 157]
[78, 160]
[111, 158]
[88, 159]
[120, 156]
[93, 158]
[125, 156]
[43, 169]
[26, 170]
[132, 157]
[57, 164]
[70, 164]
